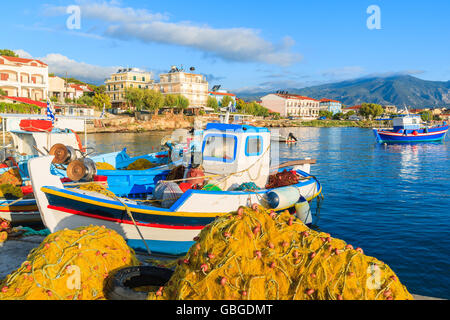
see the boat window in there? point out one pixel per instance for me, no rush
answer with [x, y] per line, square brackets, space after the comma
[254, 146]
[220, 147]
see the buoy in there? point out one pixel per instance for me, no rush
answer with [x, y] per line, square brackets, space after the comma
[282, 198]
[303, 211]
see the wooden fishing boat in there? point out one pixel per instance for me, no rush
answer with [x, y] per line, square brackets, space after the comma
[232, 155]
[28, 144]
[408, 129]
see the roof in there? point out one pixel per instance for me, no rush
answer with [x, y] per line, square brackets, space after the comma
[353, 108]
[222, 93]
[22, 60]
[28, 101]
[329, 100]
[234, 127]
[294, 96]
[79, 87]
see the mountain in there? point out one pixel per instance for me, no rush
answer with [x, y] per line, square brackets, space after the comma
[400, 90]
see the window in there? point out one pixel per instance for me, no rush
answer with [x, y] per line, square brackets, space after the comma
[143, 78]
[134, 78]
[254, 146]
[217, 147]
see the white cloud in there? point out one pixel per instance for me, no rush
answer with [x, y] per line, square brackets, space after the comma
[60, 65]
[232, 44]
[23, 54]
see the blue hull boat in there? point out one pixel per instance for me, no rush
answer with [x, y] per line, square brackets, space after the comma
[409, 129]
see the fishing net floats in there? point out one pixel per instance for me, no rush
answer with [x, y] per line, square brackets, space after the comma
[257, 254]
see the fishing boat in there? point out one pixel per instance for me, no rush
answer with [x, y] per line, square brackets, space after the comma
[36, 138]
[231, 156]
[409, 128]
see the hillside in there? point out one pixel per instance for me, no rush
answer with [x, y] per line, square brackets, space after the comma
[401, 91]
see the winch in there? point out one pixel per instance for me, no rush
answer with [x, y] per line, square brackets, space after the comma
[63, 154]
[81, 170]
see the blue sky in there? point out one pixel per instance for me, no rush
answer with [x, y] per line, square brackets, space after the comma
[242, 45]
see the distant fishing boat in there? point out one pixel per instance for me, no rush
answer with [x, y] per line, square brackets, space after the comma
[409, 128]
[232, 157]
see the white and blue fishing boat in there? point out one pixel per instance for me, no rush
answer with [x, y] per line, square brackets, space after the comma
[409, 128]
[232, 156]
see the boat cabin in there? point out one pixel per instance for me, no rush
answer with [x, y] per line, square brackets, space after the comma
[26, 142]
[229, 149]
[409, 122]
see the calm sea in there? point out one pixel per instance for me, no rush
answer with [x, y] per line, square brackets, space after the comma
[392, 201]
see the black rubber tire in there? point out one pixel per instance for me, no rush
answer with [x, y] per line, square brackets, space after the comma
[120, 285]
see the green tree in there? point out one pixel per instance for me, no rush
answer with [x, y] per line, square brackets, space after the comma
[226, 100]
[349, 114]
[171, 101]
[54, 99]
[426, 115]
[135, 98]
[212, 103]
[8, 53]
[86, 99]
[182, 102]
[325, 113]
[371, 110]
[101, 99]
[338, 116]
[241, 105]
[153, 100]
[2, 92]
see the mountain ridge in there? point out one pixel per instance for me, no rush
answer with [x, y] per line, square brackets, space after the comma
[399, 90]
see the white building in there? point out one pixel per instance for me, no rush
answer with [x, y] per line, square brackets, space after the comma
[288, 105]
[24, 78]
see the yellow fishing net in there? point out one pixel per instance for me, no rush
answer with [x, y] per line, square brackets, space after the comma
[104, 166]
[12, 176]
[9, 190]
[5, 228]
[141, 164]
[97, 187]
[261, 255]
[69, 264]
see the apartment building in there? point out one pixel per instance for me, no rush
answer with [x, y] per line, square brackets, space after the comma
[123, 79]
[192, 86]
[333, 106]
[25, 78]
[291, 105]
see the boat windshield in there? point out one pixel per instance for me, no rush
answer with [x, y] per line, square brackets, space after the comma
[220, 148]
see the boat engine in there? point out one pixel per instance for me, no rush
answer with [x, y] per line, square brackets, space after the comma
[63, 154]
[81, 170]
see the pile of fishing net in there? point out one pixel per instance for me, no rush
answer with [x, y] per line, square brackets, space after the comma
[97, 187]
[282, 179]
[12, 176]
[104, 166]
[5, 229]
[261, 255]
[9, 191]
[141, 164]
[69, 264]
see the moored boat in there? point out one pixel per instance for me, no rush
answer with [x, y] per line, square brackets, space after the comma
[409, 128]
[233, 155]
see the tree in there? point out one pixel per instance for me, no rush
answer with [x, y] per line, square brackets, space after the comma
[426, 115]
[338, 116]
[100, 100]
[182, 102]
[371, 110]
[86, 100]
[241, 105]
[226, 100]
[3, 93]
[153, 100]
[212, 103]
[170, 101]
[135, 98]
[8, 53]
[349, 114]
[325, 113]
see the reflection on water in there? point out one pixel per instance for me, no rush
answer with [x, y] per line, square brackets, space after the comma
[393, 200]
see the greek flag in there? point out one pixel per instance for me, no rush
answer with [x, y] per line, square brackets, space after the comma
[103, 112]
[50, 115]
